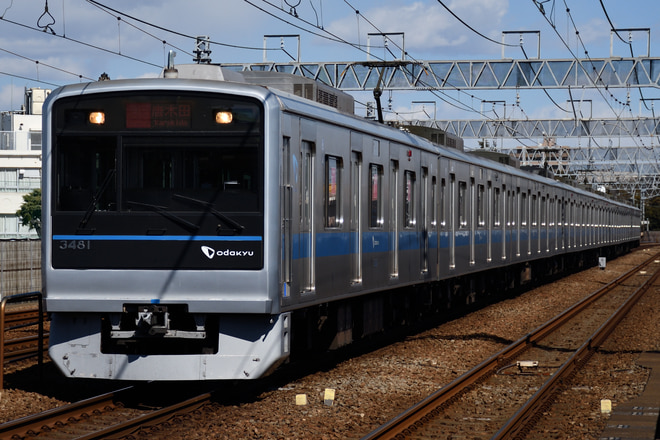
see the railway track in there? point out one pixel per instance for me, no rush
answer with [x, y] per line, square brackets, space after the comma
[23, 343]
[19, 318]
[504, 396]
[111, 415]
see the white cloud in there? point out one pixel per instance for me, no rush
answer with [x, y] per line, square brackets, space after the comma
[429, 29]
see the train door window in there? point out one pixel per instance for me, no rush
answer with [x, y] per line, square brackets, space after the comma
[569, 224]
[601, 223]
[497, 220]
[544, 222]
[586, 222]
[595, 218]
[561, 220]
[441, 203]
[503, 220]
[434, 196]
[286, 203]
[425, 221]
[333, 215]
[578, 224]
[536, 220]
[306, 217]
[514, 207]
[517, 220]
[472, 219]
[355, 223]
[583, 221]
[376, 197]
[409, 218]
[489, 223]
[481, 206]
[434, 215]
[523, 209]
[394, 216]
[557, 221]
[462, 205]
[551, 221]
[528, 214]
[452, 221]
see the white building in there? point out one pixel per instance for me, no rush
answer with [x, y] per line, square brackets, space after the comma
[20, 161]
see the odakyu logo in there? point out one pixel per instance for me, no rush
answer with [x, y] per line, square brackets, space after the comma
[210, 253]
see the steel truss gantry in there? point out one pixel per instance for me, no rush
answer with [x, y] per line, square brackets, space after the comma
[493, 74]
[544, 128]
[633, 168]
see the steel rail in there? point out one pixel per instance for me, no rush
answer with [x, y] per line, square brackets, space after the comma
[36, 423]
[12, 353]
[521, 422]
[410, 420]
[40, 322]
[20, 318]
[148, 420]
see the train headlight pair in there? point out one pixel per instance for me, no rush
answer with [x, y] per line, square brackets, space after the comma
[221, 117]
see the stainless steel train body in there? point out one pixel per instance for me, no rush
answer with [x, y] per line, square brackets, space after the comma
[199, 229]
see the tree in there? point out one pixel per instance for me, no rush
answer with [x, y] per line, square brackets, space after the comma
[30, 212]
[652, 212]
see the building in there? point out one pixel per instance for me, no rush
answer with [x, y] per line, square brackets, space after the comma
[20, 161]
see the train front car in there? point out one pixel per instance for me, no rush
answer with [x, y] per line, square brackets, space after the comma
[155, 238]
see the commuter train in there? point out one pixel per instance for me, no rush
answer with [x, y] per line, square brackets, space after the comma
[206, 224]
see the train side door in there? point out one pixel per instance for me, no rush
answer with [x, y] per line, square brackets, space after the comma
[355, 220]
[394, 219]
[453, 212]
[286, 194]
[425, 221]
[306, 241]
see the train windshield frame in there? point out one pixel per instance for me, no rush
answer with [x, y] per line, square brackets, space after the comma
[165, 169]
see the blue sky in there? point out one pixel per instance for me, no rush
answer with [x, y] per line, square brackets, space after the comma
[77, 40]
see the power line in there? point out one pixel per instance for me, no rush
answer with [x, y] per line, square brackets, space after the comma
[177, 33]
[29, 79]
[92, 46]
[39, 63]
[473, 29]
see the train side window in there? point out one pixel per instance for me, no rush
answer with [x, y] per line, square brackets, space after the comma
[462, 204]
[409, 199]
[333, 215]
[523, 209]
[376, 200]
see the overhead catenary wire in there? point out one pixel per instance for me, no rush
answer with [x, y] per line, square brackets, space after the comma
[171, 31]
[41, 63]
[80, 42]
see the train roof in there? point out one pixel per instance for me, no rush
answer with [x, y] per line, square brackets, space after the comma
[204, 77]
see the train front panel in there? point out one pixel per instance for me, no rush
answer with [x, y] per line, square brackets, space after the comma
[156, 240]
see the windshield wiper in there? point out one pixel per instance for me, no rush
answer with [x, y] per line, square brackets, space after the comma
[92, 205]
[234, 225]
[168, 215]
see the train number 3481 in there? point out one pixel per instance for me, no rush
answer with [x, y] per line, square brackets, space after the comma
[75, 245]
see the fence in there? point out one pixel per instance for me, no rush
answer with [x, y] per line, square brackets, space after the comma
[20, 266]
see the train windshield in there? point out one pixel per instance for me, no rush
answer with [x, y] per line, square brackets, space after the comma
[164, 171]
